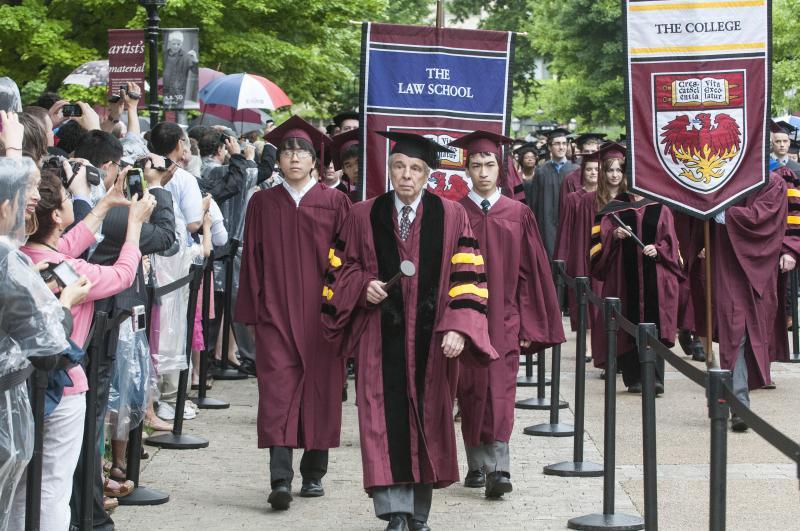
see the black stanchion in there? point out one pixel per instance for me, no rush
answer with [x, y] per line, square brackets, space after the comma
[142, 495]
[177, 440]
[647, 359]
[578, 467]
[794, 356]
[98, 351]
[609, 520]
[718, 413]
[223, 372]
[33, 486]
[529, 380]
[203, 401]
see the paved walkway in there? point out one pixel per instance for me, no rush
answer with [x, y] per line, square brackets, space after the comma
[224, 487]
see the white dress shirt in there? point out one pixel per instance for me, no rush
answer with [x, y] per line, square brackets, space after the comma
[398, 205]
[494, 198]
[298, 195]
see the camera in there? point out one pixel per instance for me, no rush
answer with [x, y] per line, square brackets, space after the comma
[56, 162]
[63, 274]
[136, 183]
[71, 110]
[138, 318]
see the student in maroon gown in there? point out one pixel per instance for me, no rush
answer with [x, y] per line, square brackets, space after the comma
[523, 312]
[644, 279]
[407, 341]
[344, 152]
[692, 327]
[746, 249]
[288, 232]
[587, 143]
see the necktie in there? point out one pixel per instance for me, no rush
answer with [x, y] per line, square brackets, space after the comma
[405, 223]
[485, 204]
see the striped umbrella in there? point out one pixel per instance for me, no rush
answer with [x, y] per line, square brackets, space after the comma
[244, 91]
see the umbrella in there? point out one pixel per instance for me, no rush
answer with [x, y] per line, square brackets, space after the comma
[244, 91]
[204, 77]
[242, 121]
[91, 74]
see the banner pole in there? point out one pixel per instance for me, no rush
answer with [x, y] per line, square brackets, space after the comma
[439, 14]
[709, 324]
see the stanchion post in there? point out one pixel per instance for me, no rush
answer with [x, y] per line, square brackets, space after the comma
[177, 440]
[609, 520]
[794, 357]
[718, 413]
[141, 495]
[647, 359]
[578, 467]
[203, 401]
[225, 373]
[33, 486]
[554, 428]
[528, 380]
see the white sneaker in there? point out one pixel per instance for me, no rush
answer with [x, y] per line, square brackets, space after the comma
[165, 411]
[188, 412]
[192, 405]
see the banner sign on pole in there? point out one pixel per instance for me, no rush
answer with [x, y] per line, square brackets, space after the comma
[698, 88]
[440, 83]
[125, 60]
[181, 50]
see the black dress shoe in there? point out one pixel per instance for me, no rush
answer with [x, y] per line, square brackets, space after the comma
[635, 388]
[416, 525]
[312, 489]
[698, 352]
[397, 522]
[659, 388]
[475, 479]
[737, 424]
[685, 341]
[247, 366]
[281, 496]
[497, 484]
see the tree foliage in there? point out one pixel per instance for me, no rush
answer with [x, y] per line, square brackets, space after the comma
[310, 48]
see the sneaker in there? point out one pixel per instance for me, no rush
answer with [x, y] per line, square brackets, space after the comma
[165, 411]
[188, 412]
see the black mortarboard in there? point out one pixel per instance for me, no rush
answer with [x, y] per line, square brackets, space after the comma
[416, 146]
[346, 115]
[781, 127]
[555, 133]
[794, 146]
[341, 143]
[526, 147]
[585, 137]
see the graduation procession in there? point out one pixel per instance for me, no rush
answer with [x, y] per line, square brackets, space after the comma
[400, 266]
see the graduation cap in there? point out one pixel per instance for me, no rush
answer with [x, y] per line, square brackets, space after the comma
[416, 146]
[345, 115]
[482, 142]
[794, 146]
[781, 127]
[586, 137]
[556, 133]
[612, 150]
[296, 127]
[526, 147]
[590, 157]
[341, 143]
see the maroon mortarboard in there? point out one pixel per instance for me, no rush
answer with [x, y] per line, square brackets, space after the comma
[612, 150]
[482, 142]
[781, 127]
[296, 127]
[416, 146]
[341, 143]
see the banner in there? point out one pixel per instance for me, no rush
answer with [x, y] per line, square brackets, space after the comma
[180, 86]
[125, 60]
[440, 83]
[698, 88]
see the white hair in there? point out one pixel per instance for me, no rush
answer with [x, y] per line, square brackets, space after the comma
[175, 36]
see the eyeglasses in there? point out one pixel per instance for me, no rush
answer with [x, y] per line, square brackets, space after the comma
[299, 153]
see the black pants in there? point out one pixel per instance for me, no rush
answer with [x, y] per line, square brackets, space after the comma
[632, 369]
[313, 465]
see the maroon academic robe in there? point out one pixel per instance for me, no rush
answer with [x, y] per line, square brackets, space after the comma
[405, 384]
[572, 183]
[744, 262]
[692, 299]
[523, 305]
[284, 258]
[647, 288]
[512, 186]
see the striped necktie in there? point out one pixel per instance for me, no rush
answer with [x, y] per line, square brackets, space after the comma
[405, 223]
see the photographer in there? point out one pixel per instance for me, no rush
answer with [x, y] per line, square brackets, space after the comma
[221, 180]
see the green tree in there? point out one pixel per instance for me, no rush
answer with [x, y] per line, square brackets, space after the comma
[785, 57]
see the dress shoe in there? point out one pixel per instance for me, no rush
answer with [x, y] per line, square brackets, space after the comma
[497, 484]
[635, 388]
[685, 341]
[737, 424]
[312, 489]
[416, 525]
[397, 522]
[247, 366]
[659, 388]
[698, 352]
[281, 496]
[475, 479]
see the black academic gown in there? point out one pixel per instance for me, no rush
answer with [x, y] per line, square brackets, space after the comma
[544, 200]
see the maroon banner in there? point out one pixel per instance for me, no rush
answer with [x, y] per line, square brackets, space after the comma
[698, 93]
[440, 83]
[125, 60]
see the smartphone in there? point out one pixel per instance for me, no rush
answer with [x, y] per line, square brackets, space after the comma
[136, 183]
[65, 274]
[70, 110]
[138, 318]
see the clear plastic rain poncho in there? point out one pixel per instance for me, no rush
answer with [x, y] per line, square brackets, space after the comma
[234, 210]
[134, 378]
[9, 95]
[30, 325]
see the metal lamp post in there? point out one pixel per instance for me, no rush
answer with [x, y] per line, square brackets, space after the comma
[152, 44]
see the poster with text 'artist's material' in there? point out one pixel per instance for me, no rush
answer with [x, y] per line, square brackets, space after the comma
[698, 90]
[440, 83]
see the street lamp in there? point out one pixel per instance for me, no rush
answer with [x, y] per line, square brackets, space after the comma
[152, 44]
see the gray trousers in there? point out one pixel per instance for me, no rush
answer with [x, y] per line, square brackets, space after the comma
[313, 465]
[409, 500]
[739, 376]
[489, 457]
